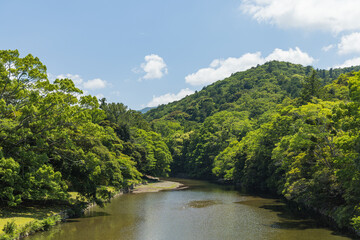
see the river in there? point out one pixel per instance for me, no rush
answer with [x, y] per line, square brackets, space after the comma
[205, 211]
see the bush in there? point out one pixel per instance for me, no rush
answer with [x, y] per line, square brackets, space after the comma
[355, 222]
[9, 227]
[342, 215]
[7, 237]
[49, 222]
[77, 210]
[30, 228]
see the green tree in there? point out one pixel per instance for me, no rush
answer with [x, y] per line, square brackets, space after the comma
[158, 157]
[50, 137]
[311, 87]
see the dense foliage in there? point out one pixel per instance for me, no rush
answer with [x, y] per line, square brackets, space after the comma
[54, 139]
[279, 128]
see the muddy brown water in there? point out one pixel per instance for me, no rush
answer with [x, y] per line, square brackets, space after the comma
[203, 211]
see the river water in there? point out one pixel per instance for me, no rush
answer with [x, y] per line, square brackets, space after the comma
[205, 211]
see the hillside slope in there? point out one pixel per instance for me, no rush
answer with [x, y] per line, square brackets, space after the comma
[270, 83]
[278, 128]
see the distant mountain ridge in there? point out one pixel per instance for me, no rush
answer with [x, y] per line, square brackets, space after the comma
[270, 82]
[145, 110]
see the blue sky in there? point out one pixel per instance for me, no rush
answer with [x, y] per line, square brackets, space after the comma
[148, 52]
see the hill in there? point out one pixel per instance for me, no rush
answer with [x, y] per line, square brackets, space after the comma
[279, 128]
[269, 83]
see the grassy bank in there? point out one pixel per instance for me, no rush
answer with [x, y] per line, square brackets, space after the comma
[26, 214]
[22, 221]
[31, 217]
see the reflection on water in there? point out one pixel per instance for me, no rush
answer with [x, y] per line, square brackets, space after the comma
[204, 211]
[202, 203]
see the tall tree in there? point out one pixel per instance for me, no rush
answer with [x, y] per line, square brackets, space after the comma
[311, 87]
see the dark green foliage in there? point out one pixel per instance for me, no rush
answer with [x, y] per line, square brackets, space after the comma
[157, 158]
[311, 87]
[118, 113]
[53, 140]
[256, 90]
[215, 134]
[279, 128]
[144, 146]
[329, 75]
[9, 227]
[47, 223]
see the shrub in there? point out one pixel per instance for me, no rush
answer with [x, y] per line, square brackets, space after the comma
[49, 222]
[9, 227]
[7, 237]
[356, 222]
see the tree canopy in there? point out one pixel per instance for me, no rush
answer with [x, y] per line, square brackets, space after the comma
[54, 139]
[278, 128]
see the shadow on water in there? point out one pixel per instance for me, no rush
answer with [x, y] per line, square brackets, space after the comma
[299, 225]
[70, 220]
[202, 203]
[295, 219]
[285, 211]
[292, 218]
[91, 214]
[202, 185]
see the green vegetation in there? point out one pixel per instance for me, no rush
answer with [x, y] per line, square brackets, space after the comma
[13, 231]
[27, 219]
[55, 140]
[278, 128]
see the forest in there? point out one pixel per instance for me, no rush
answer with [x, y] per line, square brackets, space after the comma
[276, 128]
[55, 140]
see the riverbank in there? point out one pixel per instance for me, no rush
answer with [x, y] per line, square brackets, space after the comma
[204, 211]
[27, 220]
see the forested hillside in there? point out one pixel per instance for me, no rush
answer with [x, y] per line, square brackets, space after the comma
[55, 140]
[256, 90]
[279, 128]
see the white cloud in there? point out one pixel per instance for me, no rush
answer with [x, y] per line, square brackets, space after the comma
[330, 15]
[220, 69]
[154, 67]
[327, 48]
[51, 77]
[100, 96]
[292, 55]
[169, 97]
[74, 77]
[349, 63]
[136, 70]
[96, 83]
[350, 43]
